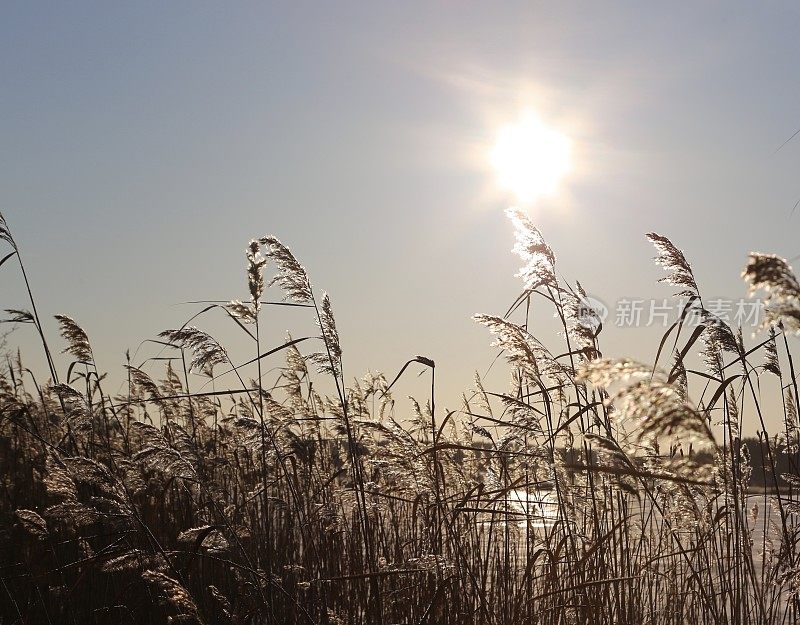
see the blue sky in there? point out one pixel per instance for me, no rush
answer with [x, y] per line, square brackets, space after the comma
[143, 144]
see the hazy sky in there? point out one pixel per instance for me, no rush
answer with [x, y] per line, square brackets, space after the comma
[143, 144]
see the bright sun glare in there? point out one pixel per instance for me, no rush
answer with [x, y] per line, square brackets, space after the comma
[530, 158]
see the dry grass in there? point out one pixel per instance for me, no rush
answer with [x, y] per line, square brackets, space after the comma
[263, 503]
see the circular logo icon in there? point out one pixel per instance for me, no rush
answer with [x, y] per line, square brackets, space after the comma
[591, 312]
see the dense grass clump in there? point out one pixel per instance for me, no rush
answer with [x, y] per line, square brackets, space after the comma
[590, 490]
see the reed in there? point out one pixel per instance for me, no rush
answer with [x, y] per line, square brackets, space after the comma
[228, 490]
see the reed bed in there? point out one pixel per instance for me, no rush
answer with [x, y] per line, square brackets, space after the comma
[203, 494]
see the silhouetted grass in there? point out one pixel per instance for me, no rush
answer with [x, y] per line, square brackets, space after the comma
[180, 501]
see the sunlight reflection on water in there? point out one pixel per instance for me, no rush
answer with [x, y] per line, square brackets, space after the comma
[539, 507]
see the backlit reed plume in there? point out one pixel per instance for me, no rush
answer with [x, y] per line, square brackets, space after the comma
[538, 258]
[330, 360]
[675, 264]
[206, 351]
[291, 275]
[77, 340]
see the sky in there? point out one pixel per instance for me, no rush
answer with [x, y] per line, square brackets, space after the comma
[143, 145]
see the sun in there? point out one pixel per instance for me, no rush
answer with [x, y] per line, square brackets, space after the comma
[530, 158]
